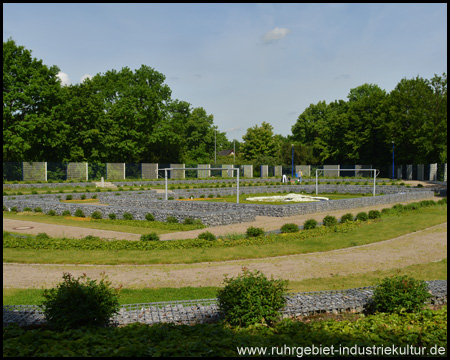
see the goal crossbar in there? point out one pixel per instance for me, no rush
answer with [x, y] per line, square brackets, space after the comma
[376, 172]
[223, 169]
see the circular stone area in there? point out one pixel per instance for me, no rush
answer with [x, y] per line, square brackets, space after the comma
[288, 198]
[23, 228]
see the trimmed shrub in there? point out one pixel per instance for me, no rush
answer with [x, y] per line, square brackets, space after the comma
[289, 228]
[172, 220]
[127, 216]
[396, 294]
[362, 216]
[188, 221]
[374, 214]
[112, 216]
[27, 209]
[75, 303]
[96, 215]
[66, 213]
[149, 217]
[79, 213]
[251, 299]
[329, 221]
[310, 224]
[37, 209]
[51, 212]
[150, 237]
[68, 197]
[207, 236]
[254, 232]
[347, 218]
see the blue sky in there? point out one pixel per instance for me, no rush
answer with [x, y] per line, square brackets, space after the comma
[243, 63]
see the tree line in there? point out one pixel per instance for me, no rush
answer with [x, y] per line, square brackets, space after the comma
[130, 116]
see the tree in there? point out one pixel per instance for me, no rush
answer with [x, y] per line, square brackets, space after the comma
[260, 144]
[32, 96]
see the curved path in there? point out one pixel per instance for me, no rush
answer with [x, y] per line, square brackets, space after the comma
[416, 248]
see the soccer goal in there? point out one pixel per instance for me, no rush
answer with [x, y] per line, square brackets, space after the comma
[183, 168]
[376, 172]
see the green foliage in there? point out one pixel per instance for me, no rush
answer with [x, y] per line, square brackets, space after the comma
[68, 197]
[217, 339]
[254, 232]
[66, 213]
[362, 216]
[329, 221]
[374, 214]
[398, 294]
[37, 209]
[150, 237]
[127, 216]
[207, 236]
[75, 303]
[309, 224]
[172, 220]
[112, 216]
[51, 212]
[251, 298]
[96, 215]
[289, 228]
[42, 236]
[79, 213]
[149, 217]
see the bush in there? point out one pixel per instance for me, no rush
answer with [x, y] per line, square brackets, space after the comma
[26, 209]
[96, 215]
[150, 237]
[79, 213]
[51, 212]
[251, 299]
[42, 236]
[127, 216]
[310, 224]
[254, 232]
[83, 197]
[37, 209]
[289, 228]
[68, 197]
[329, 221]
[73, 303]
[66, 213]
[188, 221]
[207, 236]
[112, 216]
[172, 220]
[397, 294]
[149, 217]
[374, 214]
[347, 218]
[362, 216]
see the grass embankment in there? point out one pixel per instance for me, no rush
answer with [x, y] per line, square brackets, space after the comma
[188, 252]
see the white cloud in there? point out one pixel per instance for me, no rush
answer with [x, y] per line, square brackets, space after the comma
[275, 34]
[64, 78]
[84, 77]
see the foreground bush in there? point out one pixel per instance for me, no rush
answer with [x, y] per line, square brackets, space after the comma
[150, 237]
[207, 236]
[251, 299]
[329, 221]
[347, 218]
[310, 224]
[254, 232]
[74, 303]
[396, 294]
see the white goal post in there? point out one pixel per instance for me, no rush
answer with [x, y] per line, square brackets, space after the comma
[232, 169]
[376, 172]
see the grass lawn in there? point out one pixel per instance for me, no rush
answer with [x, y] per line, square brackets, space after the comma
[307, 241]
[429, 271]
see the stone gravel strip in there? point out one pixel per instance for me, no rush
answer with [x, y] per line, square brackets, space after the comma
[206, 310]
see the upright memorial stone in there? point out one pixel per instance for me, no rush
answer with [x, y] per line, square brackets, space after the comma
[203, 173]
[34, 171]
[115, 171]
[177, 174]
[248, 171]
[264, 171]
[77, 171]
[409, 172]
[149, 171]
[227, 173]
[331, 173]
[278, 171]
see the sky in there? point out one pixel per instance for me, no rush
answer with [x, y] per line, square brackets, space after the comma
[245, 64]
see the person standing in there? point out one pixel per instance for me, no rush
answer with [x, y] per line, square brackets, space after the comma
[300, 174]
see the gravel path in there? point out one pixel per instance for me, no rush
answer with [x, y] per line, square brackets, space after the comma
[416, 248]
